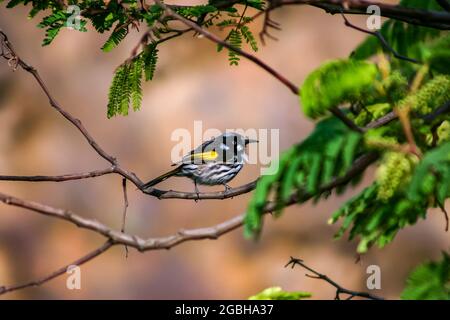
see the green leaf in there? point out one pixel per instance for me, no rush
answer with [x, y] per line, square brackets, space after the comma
[150, 57]
[53, 23]
[135, 84]
[334, 83]
[430, 177]
[249, 38]
[375, 221]
[119, 92]
[235, 39]
[304, 168]
[115, 38]
[196, 11]
[253, 217]
[402, 37]
[276, 293]
[429, 281]
[437, 54]
[13, 3]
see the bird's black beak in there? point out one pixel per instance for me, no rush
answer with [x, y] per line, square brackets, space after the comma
[248, 140]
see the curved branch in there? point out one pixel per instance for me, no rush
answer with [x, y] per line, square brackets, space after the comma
[88, 257]
[141, 244]
[116, 167]
[444, 4]
[160, 194]
[427, 18]
[339, 289]
[216, 39]
[220, 195]
[117, 237]
[12, 57]
[61, 178]
[382, 40]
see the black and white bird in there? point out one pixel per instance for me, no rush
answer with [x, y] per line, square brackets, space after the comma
[215, 162]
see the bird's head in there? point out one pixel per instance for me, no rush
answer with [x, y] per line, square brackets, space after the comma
[231, 146]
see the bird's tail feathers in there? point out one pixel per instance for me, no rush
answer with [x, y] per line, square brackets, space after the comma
[161, 178]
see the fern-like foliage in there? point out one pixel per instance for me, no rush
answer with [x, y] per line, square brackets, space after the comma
[236, 36]
[429, 281]
[116, 91]
[334, 83]
[135, 83]
[150, 58]
[120, 17]
[126, 86]
[374, 221]
[115, 38]
[196, 11]
[401, 36]
[431, 179]
[325, 155]
[54, 23]
[249, 37]
[437, 54]
[401, 195]
[235, 39]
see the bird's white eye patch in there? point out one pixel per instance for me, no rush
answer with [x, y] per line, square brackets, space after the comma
[223, 146]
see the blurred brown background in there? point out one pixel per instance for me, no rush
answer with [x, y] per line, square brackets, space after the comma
[192, 82]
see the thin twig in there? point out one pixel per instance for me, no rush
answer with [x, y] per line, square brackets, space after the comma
[347, 121]
[339, 289]
[444, 4]
[421, 17]
[91, 255]
[403, 115]
[268, 23]
[217, 40]
[427, 18]
[11, 55]
[444, 211]
[76, 122]
[380, 37]
[445, 108]
[141, 244]
[125, 207]
[61, 178]
[387, 118]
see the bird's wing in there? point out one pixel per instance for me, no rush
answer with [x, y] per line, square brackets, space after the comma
[203, 153]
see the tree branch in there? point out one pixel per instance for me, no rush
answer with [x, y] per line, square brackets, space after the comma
[380, 37]
[14, 60]
[12, 56]
[61, 178]
[440, 20]
[88, 257]
[124, 213]
[339, 289]
[426, 18]
[347, 121]
[141, 244]
[217, 40]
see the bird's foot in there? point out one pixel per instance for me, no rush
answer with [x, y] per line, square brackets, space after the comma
[227, 188]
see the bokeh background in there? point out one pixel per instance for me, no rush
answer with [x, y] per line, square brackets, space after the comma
[192, 82]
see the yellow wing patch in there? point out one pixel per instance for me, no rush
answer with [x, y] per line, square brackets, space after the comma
[205, 156]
